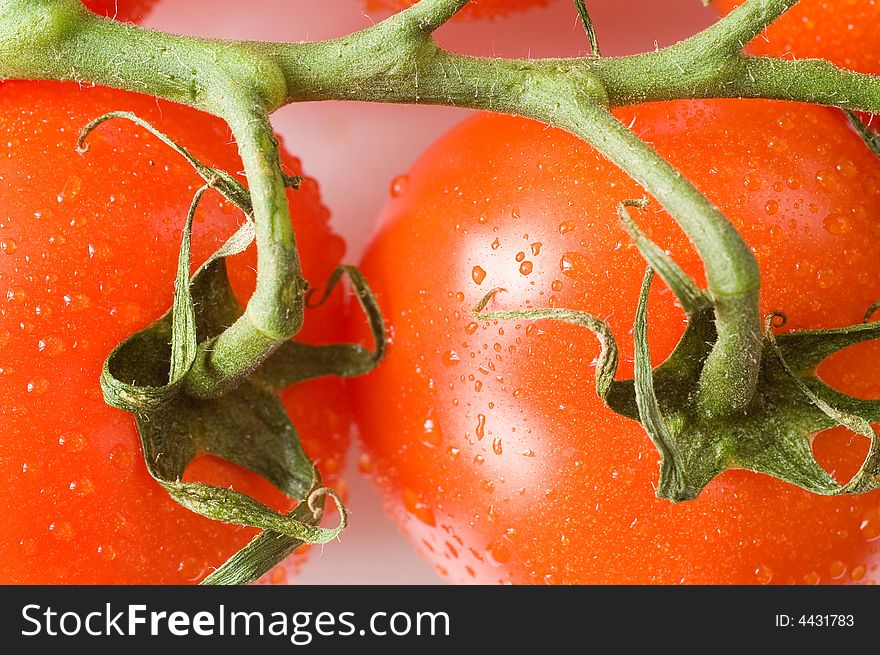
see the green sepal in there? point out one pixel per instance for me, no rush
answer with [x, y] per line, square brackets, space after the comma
[296, 362]
[587, 23]
[606, 363]
[871, 139]
[247, 425]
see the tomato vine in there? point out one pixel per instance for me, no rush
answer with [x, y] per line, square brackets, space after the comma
[729, 364]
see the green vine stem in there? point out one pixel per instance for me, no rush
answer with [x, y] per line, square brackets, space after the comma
[399, 61]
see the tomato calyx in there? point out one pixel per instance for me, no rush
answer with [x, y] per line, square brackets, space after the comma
[771, 435]
[148, 374]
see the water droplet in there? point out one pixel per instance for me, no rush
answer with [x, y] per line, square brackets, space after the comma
[763, 574]
[82, 487]
[498, 552]
[811, 578]
[51, 346]
[858, 572]
[837, 569]
[8, 246]
[433, 435]
[556, 285]
[525, 268]
[752, 181]
[827, 181]
[870, 526]
[772, 207]
[451, 358]
[38, 386]
[836, 224]
[488, 486]
[399, 185]
[416, 506]
[481, 426]
[121, 457]
[573, 264]
[496, 446]
[496, 244]
[366, 464]
[107, 551]
[75, 441]
[478, 274]
[470, 328]
[62, 530]
[566, 227]
[77, 302]
[191, 568]
[536, 248]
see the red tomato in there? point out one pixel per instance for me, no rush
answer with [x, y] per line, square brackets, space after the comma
[495, 454]
[132, 11]
[88, 246]
[842, 31]
[474, 9]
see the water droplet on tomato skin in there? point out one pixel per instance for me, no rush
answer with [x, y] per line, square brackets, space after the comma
[433, 436]
[858, 572]
[573, 264]
[82, 487]
[763, 575]
[498, 552]
[752, 181]
[566, 227]
[836, 224]
[481, 426]
[451, 358]
[478, 274]
[75, 441]
[366, 465]
[416, 506]
[496, 446]
[526, 268]
[121, 457]
[38, 386]
[870, 525]
[399, 185]
[8, 246]
[837, 569]
[191, 568]
[812, 578]
[62, 530]
[107, 551]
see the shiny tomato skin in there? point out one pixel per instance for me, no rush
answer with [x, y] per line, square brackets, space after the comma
[493, 452]
[474, 9]
[130, 11]
[842, 31]
[88, 245]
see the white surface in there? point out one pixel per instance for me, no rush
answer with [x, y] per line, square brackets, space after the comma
[355, 150]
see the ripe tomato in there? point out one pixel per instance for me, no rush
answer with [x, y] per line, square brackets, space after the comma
[844, 32]
[131, 11]
[88, 248]
[495, 454]
[475, 9]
